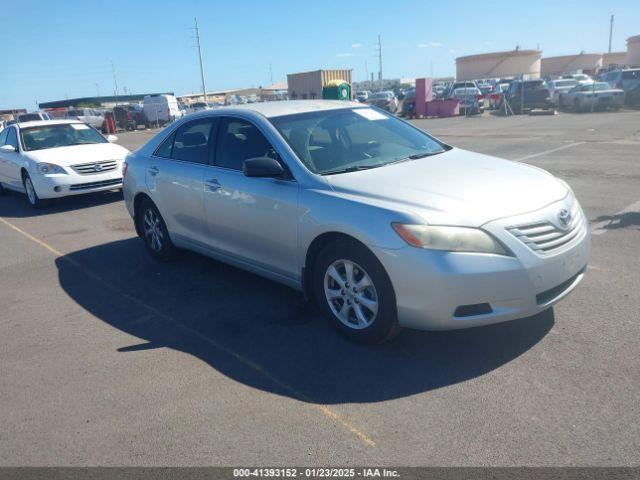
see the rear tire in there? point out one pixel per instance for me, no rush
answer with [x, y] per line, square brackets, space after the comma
[355, 293]
[154, 231]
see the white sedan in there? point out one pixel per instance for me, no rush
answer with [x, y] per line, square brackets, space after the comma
[51, 159]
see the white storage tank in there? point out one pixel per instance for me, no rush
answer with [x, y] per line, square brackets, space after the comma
[499, 64]
[589, 62]
[633, 51]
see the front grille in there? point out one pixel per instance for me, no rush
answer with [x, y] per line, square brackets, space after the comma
[544, 237]
[95, 167]
[104, 183]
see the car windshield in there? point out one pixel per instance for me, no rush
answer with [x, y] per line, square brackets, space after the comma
[462, 92]
[29, 117]
[347, 139]
[61, 135]
[382, 95]
[598, 86]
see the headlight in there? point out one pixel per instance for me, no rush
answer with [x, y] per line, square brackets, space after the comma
[48, 168]
[452, 239]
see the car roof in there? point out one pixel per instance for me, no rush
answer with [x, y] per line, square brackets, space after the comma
[289, 107]
[40, 123]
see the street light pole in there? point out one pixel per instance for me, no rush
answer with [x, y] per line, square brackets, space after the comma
[380, 61]
[610, 32]
[204, 88]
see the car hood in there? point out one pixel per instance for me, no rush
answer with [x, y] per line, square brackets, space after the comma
[456, 187]
[75, 154]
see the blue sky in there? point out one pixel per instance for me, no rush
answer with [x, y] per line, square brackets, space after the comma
[55, 48]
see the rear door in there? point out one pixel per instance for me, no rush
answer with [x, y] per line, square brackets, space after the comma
[175, 178]
[3, 162]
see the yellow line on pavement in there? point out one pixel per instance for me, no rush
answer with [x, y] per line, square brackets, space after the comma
[325, 410]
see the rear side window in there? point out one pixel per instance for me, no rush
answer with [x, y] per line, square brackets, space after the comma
[165, 148]
[239, 140]
[3, 136]
[191, 143]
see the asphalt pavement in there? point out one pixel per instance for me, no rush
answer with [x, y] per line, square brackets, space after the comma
[110, 358]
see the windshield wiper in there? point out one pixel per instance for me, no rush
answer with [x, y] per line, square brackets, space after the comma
[355, 168]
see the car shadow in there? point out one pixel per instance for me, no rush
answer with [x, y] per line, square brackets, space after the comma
[262, 334]
[15, 205]
[620, 220]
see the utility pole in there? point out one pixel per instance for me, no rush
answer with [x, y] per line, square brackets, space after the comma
[204, 88]
[380, 62]
[271, 72]
[610, 32]
[98, 88]
[115, 81]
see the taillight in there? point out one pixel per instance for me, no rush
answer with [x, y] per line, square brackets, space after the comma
[480, 97]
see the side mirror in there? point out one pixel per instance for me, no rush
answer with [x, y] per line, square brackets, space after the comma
[262, 167]
[8, 149]
[112, 138]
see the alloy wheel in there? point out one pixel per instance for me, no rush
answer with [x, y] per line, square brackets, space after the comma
[351, 294]
[153, 230]
[31, 192]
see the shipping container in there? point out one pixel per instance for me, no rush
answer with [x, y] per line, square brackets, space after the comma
[309, 85]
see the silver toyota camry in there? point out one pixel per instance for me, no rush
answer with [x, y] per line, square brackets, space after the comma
[381, 224]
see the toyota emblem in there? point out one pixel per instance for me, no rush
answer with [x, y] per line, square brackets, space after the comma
[97, 167]
[564, 217]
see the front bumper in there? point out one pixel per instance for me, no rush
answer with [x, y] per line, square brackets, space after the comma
[62, 185]
[451, 290]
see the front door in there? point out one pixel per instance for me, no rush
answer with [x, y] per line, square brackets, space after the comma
[253, 220]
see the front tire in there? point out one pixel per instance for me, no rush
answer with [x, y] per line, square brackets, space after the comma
[32, 196]
[355, 293]
[154, 232]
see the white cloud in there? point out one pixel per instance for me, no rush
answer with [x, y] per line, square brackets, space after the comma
[356, 45]
[430, 44]
[345, 55]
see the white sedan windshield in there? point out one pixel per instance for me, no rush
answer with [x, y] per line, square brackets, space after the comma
[60, 135]
[336, 141]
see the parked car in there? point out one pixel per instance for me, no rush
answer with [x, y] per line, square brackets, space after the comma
[31, 117]
[385, 100]
[599, 95]
[632, 97]
[379, 222]
[86, 115]
[528, 95]
[470, 100]
[626, 79]
[581, 78]
[495, 97]
[408, 107]
[161, 109]
[129, 117]
[561, 85]
[362, 96]
[57, 158]
[455, 85]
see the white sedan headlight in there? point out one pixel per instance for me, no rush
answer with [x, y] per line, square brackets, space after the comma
[49, 168]
[452, 239]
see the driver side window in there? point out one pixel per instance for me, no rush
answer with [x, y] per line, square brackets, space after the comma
[239, 140]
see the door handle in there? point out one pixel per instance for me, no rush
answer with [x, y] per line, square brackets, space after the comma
[154, 170]
[213, 184]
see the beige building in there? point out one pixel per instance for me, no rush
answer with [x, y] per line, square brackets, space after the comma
[499, 64]
[571, 63]
[614, 58]
[633, 51]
